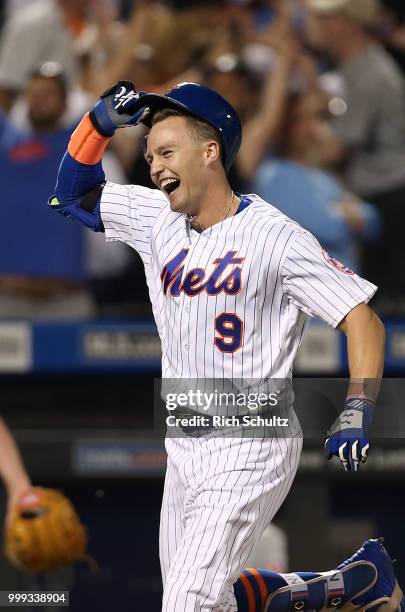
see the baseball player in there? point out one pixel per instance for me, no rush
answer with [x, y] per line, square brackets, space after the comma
[233, 283]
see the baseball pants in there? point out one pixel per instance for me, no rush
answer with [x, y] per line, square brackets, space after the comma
[219, 496]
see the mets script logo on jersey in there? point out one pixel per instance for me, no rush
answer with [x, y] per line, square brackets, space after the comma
[225, 277]
[336, 263]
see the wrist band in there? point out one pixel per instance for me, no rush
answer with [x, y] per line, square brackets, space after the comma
[86, 144]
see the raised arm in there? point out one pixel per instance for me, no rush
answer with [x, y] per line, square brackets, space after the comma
[81, 177]
[260, 132]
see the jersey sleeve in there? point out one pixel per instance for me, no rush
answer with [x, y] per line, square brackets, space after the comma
[129, 212]
[320, 285]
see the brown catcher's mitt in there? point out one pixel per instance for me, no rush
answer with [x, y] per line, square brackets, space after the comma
[45, 532]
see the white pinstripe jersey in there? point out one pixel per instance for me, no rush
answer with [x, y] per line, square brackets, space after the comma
[233, 300]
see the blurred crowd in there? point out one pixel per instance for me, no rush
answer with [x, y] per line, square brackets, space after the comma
[319, 86]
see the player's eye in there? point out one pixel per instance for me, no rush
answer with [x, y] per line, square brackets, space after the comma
[167, 153]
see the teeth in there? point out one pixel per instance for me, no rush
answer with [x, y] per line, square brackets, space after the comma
[167, 181]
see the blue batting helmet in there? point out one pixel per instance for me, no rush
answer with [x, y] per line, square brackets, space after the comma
[202, 103]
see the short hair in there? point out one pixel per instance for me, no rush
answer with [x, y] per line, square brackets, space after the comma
[202, 131]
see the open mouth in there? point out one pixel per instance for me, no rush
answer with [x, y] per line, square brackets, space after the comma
[170, 187]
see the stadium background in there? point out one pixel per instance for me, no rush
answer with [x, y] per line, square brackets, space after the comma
[78, 348]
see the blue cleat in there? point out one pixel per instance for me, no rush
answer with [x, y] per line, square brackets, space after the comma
[385, 594]
[331, 590]
[365, 582]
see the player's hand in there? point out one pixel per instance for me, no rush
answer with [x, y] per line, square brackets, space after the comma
[348, 437]
[45, 516]
[117, 107]
[14, 493]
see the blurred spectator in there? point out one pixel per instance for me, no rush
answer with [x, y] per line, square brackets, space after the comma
[154, 48]
[45, 97]
[371, 130]
[259, 103]
[76, 102]
[232, 78]
[296, 184]
[40, 31]
[256, 71]
[42, 263]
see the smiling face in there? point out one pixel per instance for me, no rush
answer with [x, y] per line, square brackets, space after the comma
[181, 161]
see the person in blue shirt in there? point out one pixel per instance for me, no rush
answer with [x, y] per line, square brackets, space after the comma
[294, 180]
[42, 260]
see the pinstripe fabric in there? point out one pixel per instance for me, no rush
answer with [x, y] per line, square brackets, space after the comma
[221, 493]
[232, 489]
[285, 279]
